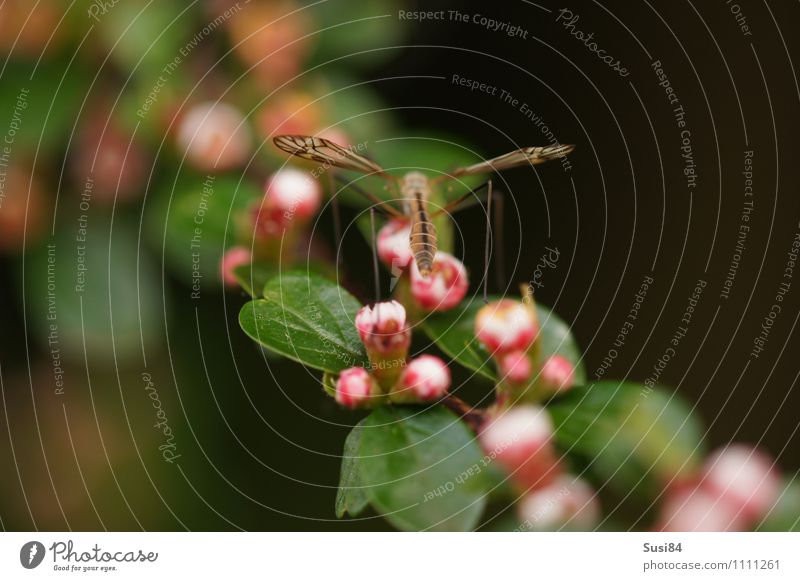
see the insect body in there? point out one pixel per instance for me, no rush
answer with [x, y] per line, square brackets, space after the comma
[416, 190]
[415, 186]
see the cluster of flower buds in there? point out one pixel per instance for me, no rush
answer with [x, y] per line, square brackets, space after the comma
[508, 329]
[291, 198]
[519, 439]
[387, 336]
[737, 486]
[442, 289]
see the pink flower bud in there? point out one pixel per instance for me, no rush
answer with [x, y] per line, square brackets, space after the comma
[519, 439]
[214, 136]
[387, 336]
[383, 328]
[394, 248]
[567, 503]
[295, 192]
[426, 378]
[233, 257]
[515, 367]
[557, 374]
[444, 288]
[506, 326]
[355, 387]
[743, 477]
[290, 195]
[697, 509]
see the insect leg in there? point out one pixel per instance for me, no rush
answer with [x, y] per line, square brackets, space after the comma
[461, 202]
[382, 205]
[337, 219]
[375, 269]
[488, 244]
[499, 268]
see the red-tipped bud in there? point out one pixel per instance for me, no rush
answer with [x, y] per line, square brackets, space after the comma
[355, 387]
[214, 136]
[697, 509]
[519, 439]
[506, 326]
[426, 378]
[557, 374]
[568, 503]
[291, 195]
[744, 478]
[515, 367]
[444, 288]
[383, 328]
[387, 336]
[294, 192]
[394, 248]
[233, 257]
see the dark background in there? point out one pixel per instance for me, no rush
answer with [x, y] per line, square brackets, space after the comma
[267, 455]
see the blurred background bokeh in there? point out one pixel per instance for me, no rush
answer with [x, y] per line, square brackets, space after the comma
[136, 141]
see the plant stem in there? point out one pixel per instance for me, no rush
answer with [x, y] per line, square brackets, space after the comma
[472, 416]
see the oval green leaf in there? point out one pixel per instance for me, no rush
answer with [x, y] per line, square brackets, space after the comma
[351, 498]
[423, 469]
[306, 318]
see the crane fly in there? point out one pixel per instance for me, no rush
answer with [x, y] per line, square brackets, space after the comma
[415, 187]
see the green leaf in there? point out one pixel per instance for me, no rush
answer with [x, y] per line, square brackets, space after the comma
[629, 436]
[784, 516]
[96, 296]
[355, 32]
[40, 102]
[306, 318]
[164, 25]
[454, 333]
[253, 277]
[423, 469]
[195, 222]
[351, 498]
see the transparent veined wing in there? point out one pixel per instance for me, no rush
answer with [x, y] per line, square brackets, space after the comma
[327, 152]
[519, 157]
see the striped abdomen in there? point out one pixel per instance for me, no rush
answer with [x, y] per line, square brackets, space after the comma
[423, 234]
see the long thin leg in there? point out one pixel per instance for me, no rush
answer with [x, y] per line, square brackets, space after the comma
[450, 206]
[499, 266]
[382, 205]
[488, 244]
[375, 270]
[337, 219]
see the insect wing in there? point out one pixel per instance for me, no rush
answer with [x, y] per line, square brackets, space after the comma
[326, 152]
[524, 156]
